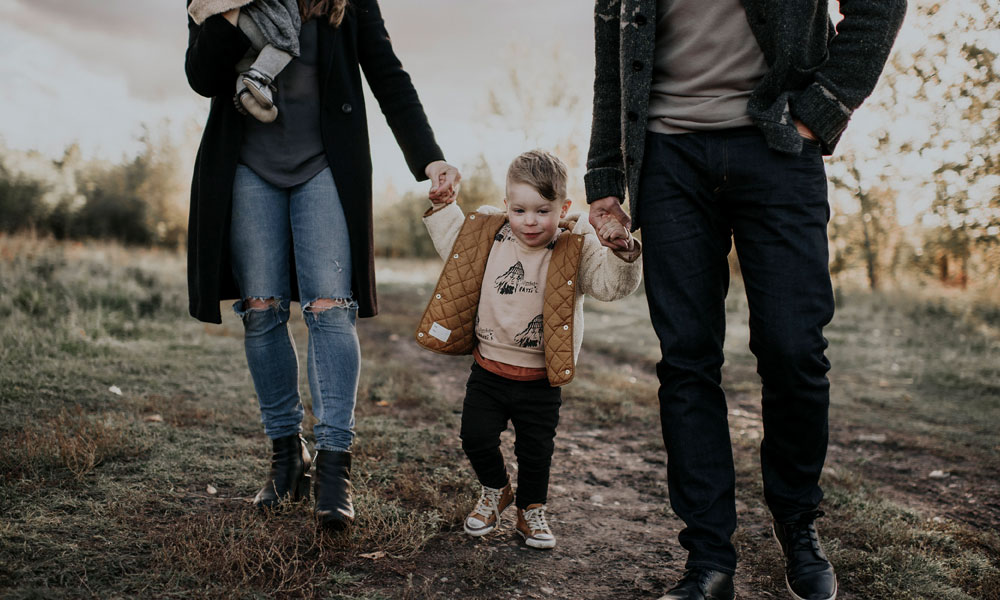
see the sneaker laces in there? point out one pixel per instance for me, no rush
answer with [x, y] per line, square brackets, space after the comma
[536, 520]
[489, 502]
[803, 535]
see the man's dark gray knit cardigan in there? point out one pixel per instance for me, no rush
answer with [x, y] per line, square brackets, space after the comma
[815, 74]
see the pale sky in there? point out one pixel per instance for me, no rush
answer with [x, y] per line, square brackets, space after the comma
[94, 71]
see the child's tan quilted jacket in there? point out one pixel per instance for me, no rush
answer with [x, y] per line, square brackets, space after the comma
[579, 265]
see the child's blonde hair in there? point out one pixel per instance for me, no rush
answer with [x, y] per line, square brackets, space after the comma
[541, 170]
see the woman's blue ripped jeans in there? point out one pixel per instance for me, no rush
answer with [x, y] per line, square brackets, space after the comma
[267, 223]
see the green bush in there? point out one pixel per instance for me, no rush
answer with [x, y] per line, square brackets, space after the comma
[400, 232]
[135, 201]
[20, 202]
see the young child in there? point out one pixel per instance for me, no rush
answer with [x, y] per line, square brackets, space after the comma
[273, 29]
[511, 294]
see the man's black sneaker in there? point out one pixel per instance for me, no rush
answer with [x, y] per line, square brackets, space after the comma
[808, 573]
[702, 584]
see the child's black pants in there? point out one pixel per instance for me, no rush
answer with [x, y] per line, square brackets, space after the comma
[533, 408]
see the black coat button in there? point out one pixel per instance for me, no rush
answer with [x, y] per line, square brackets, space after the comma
[640, 19]
[347, 108]
[637, 65]
[632, 116]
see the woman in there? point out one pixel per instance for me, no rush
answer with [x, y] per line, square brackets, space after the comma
[282, 212]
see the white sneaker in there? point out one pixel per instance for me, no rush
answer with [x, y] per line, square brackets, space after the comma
[533, 528]
[486, 516]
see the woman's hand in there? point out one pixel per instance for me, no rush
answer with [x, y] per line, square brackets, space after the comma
[233, 16]
[444, 182]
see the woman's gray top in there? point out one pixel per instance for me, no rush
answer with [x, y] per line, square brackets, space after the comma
[289, 151]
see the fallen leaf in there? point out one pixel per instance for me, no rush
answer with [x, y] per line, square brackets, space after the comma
[939, 474]
[115, 390]
[153, 419]
[374, 555]
[211, 489]
[381, 403]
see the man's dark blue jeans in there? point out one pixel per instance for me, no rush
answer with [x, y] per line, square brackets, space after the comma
[699, 193]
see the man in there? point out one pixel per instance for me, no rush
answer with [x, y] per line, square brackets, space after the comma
[715, 117]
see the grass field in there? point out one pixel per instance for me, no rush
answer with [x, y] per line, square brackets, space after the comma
[130, 446]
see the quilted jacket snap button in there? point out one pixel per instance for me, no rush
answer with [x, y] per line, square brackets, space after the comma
[570, 282]
[455, 256]
[472, 217]
[421, 334]
[438, 296]
[565, 327]
[567, 371]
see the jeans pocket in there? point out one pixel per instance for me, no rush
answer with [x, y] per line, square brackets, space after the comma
[811, 146]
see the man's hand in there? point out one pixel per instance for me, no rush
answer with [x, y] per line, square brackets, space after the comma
[233, 16]
[613, 232]
[444, 182]
[805, 131]
[603, 209]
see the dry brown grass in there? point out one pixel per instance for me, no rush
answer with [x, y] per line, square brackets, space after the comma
[97, 502]
[73, 441]
[612, 397]
[282, 551]
[236, 551]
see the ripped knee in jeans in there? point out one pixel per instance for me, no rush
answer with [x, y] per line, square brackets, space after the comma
[323, 304]
[260, 303]
[256, 305]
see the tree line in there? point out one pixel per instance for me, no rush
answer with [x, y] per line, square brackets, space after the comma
[139, 200]
[933, 153]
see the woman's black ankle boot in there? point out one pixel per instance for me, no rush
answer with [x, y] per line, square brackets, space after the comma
[334, 508]
[289, 476]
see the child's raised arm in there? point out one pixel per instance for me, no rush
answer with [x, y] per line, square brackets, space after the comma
[443, 221]
[609, 274]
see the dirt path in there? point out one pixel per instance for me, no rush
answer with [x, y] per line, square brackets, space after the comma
[617, 537]
[607, 507]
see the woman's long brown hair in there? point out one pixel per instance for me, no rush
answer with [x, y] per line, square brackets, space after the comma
[334, 9]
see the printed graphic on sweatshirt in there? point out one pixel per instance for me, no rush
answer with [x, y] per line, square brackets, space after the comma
[484, 333]
[504, 235]
[512, 282]
[531, 337]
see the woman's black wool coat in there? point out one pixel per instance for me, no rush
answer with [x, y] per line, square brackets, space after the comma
[361, 40]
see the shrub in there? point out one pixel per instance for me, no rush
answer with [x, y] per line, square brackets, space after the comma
[137, 201]
[20, 202]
